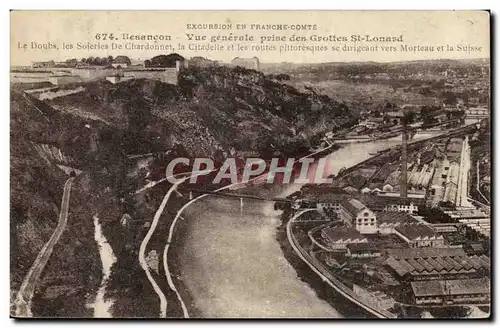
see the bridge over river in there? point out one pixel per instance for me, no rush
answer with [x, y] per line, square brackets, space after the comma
[233, 195]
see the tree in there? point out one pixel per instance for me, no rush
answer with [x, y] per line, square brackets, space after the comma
[435, 215]
[388, 105]
[110, 59]
[72, 62]
[166, 60]
[450, 98]
[122, 60]
[147, 63]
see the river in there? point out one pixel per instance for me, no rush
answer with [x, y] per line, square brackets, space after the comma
[233, 266]
[101, 305]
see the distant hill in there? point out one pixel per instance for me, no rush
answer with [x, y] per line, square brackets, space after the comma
[415, 66]
[211, 109]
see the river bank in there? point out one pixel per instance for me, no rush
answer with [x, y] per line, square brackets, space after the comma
[232, 264]
[304, 272]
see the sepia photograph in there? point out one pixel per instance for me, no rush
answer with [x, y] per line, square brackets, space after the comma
[250, 164]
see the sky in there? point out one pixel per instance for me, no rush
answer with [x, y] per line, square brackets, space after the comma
[417, 28]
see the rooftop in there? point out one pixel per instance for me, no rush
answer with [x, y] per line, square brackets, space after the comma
[482, 260]
[337, 234]
[394, 114]
[383, 173]
[416, 198]
[362, 247]
[451, 287]
[454, 146]
[374, 185]
[437, 265]
[405, 253]
[355, 180]
[466, 213]
[414, 232]
[476, 247]
[353, 206]
[393, 178]
[427, 156]
[395, 217]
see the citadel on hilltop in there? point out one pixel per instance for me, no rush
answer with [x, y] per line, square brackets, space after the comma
[164, 68]
[249, 63]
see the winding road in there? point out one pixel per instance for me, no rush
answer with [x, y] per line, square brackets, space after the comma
[25, 294]
[144, 244]
[145, 241]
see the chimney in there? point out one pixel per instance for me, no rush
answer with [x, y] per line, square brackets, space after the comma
[404, 165]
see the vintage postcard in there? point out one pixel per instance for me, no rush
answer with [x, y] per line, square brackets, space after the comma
[250, 164]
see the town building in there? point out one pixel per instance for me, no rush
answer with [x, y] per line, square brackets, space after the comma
[419, 235]
[451, 291]
[338, 238]
[390, 201]
[394, 117]
[387, 221]
[356, 214]
[485, 263]
[405, 205]
[472, 218]
[478, 113]
[363, 250]
[435, 263]
[474, 249]
[328, 201]
[372, 122]
[445, 228]
[467, 214]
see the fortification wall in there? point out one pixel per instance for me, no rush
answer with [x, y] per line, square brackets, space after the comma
[168, 75]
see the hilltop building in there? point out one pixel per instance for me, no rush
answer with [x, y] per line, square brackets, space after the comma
[249, 63]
